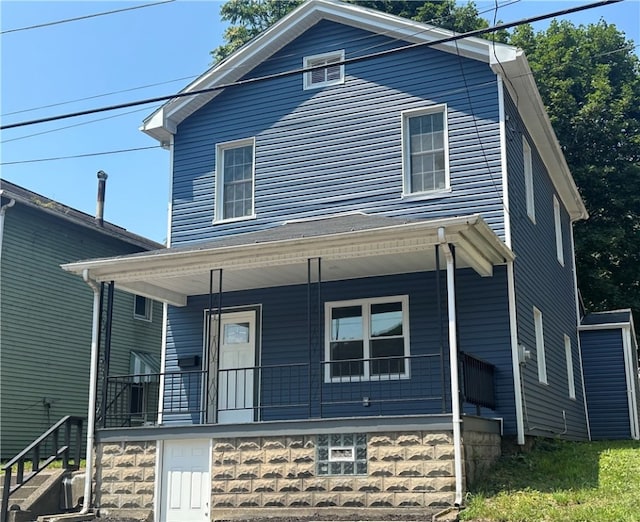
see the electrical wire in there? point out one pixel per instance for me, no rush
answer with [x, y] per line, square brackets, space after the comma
[483, 151]
[99, 95]
[72, 126]
[57, 22]
[284, 74]
[433, 21]
[90, 154]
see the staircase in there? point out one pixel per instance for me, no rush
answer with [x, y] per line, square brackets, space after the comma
[27, 493]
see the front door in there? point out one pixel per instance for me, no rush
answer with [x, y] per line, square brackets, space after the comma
[186, 481]
[235, 373]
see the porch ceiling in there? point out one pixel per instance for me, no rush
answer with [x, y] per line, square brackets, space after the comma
[349, 246]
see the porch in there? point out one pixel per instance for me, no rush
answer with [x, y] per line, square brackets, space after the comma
[350, 295]
[320, 341]
[296, 392]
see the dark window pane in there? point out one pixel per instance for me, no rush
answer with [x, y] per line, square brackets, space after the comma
[387, 356]
[345, 353]
[137, 397]
[141, 306]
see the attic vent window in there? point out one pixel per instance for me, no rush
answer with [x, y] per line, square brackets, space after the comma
[332, 74]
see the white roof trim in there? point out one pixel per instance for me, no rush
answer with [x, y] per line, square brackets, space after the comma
[164, 121]
[475, 242]
[504, 59]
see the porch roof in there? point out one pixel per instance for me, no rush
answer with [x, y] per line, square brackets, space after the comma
[350, 246]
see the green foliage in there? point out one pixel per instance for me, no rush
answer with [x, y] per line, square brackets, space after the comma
[249, 18]
[562, 481]
[589, 79]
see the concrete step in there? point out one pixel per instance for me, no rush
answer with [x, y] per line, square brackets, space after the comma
[31, 501]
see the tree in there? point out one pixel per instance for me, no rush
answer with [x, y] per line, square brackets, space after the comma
[589, 80]
[248, 18]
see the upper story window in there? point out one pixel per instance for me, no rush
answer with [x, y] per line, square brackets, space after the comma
[142, 307]
[528, 179]
[558, 228]
[332, 74]
[235, 180]
[367, 339]
[425, 150]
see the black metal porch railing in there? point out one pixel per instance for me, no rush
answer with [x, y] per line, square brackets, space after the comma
[381, 386]
[478, 382]
[133, 400]
[63, 446]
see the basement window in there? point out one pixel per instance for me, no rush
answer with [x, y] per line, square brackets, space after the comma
[342, 454]
[332, 74]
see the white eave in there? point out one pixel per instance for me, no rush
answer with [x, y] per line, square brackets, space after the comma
[163, 122]
[504, 59]
[171, 275]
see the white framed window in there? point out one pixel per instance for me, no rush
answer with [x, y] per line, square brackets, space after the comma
[367, 339]
[332, 74]
[528, 179]
[558, 228]
[569, 358]
[142, 308]
[542, 364]
[425, 150]
[235, 175]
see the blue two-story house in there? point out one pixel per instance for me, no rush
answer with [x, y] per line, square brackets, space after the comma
[370, 277]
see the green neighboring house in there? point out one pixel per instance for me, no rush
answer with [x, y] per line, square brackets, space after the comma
[45, 314]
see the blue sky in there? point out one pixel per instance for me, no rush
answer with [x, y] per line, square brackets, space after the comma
[127, 50]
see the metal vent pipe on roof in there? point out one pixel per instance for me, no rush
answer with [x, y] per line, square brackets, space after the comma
[102, 185]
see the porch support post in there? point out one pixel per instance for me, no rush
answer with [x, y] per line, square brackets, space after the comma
[313, 334]
[93, 379]
[453, 361]
[107, 349]
[440, 330]
[210, 406]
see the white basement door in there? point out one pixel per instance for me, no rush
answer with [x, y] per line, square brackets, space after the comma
[186, 481]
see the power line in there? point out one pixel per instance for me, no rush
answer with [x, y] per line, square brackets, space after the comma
[433, 21]
[47, 24]
[284, 74]
[71, 126]
[99, 95]
[104, 153]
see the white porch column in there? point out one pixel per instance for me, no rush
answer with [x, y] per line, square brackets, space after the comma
[453, 363]
[93, 379]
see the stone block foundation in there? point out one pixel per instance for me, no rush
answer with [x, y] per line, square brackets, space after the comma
[413, 469]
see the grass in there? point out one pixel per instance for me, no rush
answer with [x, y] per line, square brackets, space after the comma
[561, 481]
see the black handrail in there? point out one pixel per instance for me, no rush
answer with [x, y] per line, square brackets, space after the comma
[32, 453]
[478, 381]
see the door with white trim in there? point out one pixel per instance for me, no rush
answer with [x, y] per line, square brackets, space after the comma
[186, 481]
[235, 373]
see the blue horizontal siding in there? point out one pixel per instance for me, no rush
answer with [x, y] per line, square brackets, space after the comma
[338, 149]
[541, 281]
[483, 329]
[606, 384]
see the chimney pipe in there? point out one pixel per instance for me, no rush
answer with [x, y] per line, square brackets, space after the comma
[102, 183]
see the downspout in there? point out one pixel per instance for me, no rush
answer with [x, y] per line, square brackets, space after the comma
[453, 362]
[3, 209]
[93, 379]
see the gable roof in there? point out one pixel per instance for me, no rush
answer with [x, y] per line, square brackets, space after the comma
[31, 199]
[505, 60]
